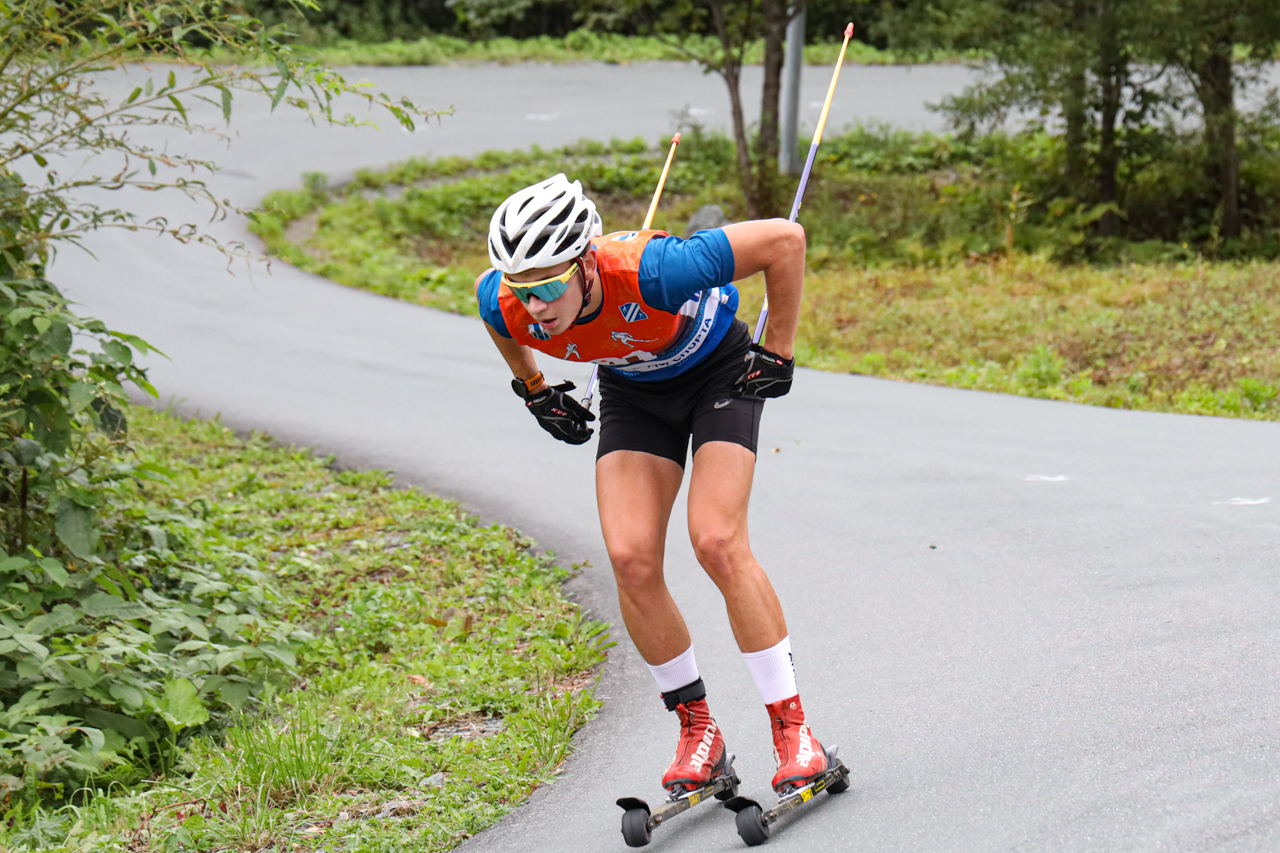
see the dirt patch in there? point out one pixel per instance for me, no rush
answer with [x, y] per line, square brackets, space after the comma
[302, 229]
[467, 727]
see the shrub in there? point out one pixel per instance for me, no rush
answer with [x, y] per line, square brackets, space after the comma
[60, 420]
[114, 639]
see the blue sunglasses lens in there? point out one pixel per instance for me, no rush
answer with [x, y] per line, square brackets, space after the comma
[545, 292]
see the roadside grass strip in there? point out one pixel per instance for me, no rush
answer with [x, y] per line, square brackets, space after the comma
[410, 232]
[1194, 338]
[579, 46]
[978, 305]
[443, 680]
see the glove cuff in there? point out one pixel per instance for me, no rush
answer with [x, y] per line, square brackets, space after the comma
[773, 356]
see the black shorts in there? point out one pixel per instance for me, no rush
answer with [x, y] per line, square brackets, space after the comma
[660, 417]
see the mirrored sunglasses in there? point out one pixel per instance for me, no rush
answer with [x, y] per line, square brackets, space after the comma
[548, 289]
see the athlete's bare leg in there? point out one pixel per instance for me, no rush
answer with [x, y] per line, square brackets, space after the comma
[635, 492]
[719, 490]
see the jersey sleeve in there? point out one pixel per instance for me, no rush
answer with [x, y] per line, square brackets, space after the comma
[672, 271]
[487, 297]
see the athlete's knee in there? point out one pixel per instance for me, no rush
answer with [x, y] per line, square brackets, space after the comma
[635, 567]
[721, 553]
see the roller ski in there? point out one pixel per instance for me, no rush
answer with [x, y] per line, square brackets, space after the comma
[805, 770]
[702, 769]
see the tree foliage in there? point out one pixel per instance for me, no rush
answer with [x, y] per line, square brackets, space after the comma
[734, 25]
[51, 110]
[1217, 47]
[113, 639]
[1114, 75]
[380, 20]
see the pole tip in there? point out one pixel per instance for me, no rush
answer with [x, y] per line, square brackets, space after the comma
[848, 31]
[675, 140]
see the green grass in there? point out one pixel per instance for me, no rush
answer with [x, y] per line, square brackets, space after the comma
[579, 46]
[445, 679]
[1195, 337]
[366, 240]
[915, 270]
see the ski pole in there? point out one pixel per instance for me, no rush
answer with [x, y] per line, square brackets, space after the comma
[808, 167]
[648, 220]
[662, 182]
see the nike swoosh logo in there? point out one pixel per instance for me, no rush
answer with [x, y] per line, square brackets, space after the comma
[722, 403]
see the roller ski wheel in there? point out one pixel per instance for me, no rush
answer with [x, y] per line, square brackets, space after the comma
[639, 821]
[635, 827]
[751, 826]
[755, 824]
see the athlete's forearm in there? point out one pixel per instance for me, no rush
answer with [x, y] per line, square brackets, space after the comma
[783, 288]
[519, 358]
[776, 248]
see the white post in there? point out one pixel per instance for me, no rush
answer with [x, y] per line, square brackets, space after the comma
[789, 161]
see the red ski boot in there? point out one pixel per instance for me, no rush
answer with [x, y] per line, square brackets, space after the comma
[700, 755]
[800, 757]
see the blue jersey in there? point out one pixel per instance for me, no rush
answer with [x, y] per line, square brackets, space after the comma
[687, 280]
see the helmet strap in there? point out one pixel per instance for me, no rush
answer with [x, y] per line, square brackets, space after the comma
[586, 289]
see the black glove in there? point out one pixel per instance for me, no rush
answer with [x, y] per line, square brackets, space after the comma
[557, 412]
[767, 374]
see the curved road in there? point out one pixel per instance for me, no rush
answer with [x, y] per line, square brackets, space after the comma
[1030, 625]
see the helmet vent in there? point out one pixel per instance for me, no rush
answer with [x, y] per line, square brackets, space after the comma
[539, 243]
[540, 212]
[561, 216]
[570, 238]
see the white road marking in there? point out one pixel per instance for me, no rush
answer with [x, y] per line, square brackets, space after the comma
[1243, 502]
[542, 116]
[1045, 478]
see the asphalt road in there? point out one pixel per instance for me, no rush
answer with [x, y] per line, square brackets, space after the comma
[1030, 625]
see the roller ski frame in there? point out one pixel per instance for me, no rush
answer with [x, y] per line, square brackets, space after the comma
[754, 823]
[638, 821]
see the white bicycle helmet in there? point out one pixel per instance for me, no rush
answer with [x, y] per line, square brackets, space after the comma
[542, 225]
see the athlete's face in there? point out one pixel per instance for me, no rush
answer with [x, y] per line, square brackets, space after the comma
[557, 316]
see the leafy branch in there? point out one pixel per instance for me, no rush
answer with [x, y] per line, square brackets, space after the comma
[52, 106]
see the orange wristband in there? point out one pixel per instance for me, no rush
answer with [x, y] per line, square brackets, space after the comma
[532, 384]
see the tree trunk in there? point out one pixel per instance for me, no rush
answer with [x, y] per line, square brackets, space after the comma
[1216, 90]
[1075, 105]
[1077, 119]
[732, 74]
[775, 32]
[1111, 74]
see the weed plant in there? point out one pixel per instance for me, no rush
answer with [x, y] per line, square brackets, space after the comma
[947, 259]
[444, 675]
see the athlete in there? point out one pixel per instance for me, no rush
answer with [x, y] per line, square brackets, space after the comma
[657, 313]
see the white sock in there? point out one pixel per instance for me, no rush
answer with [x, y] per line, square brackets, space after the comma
[681, 670]
[772, 672]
